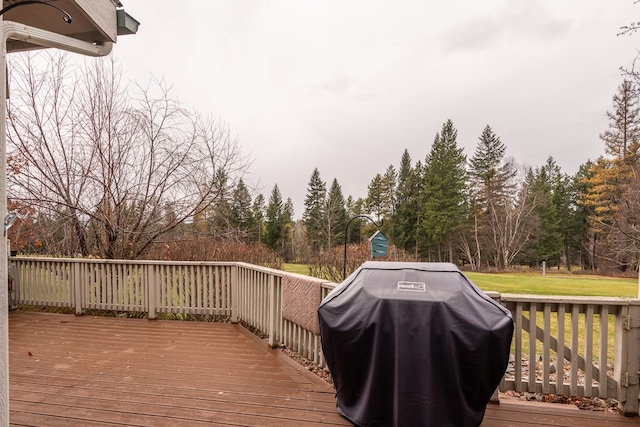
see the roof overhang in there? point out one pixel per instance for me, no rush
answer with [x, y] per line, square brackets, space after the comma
[94, 21]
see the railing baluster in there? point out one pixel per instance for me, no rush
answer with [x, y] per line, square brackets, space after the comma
[560, 347]
[588, 350]
[546, 348]
[573, 382]
[604, 348]
[533, 314]
[518, 347]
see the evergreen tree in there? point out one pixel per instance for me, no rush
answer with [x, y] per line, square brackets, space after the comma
[547, 244]
[313, 215]
[389, 183]
[406, 167]
[335, 215]
[492, 193]
[573, 217]
[612, 183]
[354, 208]
[241, 217]
[375, 202]
[274, 221]
[288, 231]
[584, 212]
[622, 139]
[405, 219]
[443, 198]
[258, 211]
[220, 212]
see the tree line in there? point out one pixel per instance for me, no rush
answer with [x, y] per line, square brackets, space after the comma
[100, 167]
[486, 211]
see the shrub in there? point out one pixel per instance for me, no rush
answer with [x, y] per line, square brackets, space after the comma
[329, 264]
[207, 249]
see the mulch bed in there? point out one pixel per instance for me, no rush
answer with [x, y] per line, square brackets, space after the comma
[583, 403]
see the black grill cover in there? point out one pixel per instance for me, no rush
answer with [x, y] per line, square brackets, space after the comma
[413, 344]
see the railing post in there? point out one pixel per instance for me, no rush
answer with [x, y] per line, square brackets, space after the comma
[272, 311]
[152, 292]
[627, 357]
[234, 295]
[16, 271]
[495, 397]
[78, 279]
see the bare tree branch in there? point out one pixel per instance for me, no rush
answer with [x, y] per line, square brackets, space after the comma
[123, 170]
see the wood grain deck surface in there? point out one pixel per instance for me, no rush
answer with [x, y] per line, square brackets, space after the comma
[97, 371]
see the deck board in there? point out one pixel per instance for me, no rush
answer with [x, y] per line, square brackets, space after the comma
[89, 371]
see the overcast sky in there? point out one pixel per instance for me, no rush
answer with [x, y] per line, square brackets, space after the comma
[346, 86]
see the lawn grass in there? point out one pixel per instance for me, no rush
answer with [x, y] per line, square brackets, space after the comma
[555, 284]
[536, 284]
[297, 268]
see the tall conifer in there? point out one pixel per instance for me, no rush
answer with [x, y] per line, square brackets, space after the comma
[444, 194]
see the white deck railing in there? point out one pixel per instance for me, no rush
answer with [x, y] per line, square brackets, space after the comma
[578, 346]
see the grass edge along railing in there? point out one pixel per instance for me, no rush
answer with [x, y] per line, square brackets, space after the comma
[597, 338]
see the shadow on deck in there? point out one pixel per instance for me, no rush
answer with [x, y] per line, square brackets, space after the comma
[89, 371]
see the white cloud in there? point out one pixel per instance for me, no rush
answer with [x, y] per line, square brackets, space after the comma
[346, 86]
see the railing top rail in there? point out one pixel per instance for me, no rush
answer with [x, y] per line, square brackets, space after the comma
[323, 283]
[526, 298]
[248, 266]
[122, 261]
[569, 299]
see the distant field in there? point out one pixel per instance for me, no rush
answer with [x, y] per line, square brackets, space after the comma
[555, 284]
[535, 283]
[297, 268]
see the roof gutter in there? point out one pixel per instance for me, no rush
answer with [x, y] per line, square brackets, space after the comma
[44, 38]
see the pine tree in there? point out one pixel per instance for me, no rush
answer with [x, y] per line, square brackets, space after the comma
[547, 243]
[491, 192]
[335, 215]
[219, 213]
[389, 183]
[313, 215]
[405, 218]
[585, 211]
[622, 139]
[288, 229]
[375, 202]
[611, 185]
[406, 166]
[258, 210]
[443, 198]
[274, 222]
[573, 217]
[354, 208]
[241, 218]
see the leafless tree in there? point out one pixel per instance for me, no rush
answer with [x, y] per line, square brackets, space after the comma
[512, 230]
[629, 30]
[620, 243]
[121, 165]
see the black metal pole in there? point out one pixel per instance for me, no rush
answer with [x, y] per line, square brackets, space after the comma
[346, 228]
[67, 18]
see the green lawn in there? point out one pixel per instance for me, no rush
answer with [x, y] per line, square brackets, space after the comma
[555, 284]
[297, 268]
[536, 283]
[551, 284]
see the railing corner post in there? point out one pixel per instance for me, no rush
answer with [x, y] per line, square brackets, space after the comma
[626, 360]
[78, 281]
[272, 312]
[152, 294]
[234, 295]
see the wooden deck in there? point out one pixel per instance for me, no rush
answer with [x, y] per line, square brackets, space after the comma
[95, 371]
